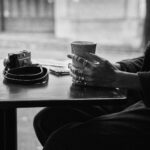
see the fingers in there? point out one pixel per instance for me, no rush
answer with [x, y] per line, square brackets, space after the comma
[93, 60]
[78, 78]
[83, 83]
[102, 62]
[78, 74]
[81, 78]
[81, 60]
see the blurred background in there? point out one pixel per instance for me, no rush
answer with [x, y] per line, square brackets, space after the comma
[47, 27]
[117, 22]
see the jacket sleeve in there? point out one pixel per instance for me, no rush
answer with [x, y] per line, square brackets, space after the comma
[144, 78]
[132, 65]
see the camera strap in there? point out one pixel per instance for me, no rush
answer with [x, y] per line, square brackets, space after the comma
[27, 75]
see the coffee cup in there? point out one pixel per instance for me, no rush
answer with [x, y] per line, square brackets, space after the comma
[81, 48]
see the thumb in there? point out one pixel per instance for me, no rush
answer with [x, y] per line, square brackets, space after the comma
[95, 57]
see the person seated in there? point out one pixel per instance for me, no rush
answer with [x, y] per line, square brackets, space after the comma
[92, 127]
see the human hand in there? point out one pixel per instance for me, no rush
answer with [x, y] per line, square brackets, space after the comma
[96, 71]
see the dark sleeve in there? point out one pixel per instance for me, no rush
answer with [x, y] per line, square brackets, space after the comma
[132, 65]
[145, 84]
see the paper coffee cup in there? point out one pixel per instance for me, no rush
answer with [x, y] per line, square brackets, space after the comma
[81, 48]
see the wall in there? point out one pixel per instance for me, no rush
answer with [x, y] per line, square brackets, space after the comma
[118, 22]
[28, 15]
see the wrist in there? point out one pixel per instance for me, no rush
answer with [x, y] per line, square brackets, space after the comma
[117, 65]
[126, 80]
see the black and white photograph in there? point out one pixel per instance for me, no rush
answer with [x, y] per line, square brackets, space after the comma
[74, 74]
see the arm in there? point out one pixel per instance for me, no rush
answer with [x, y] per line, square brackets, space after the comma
[126, 80]
[138, 81]
[105, 74]
[130, 65]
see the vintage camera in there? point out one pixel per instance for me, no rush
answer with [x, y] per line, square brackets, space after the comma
[20, 59]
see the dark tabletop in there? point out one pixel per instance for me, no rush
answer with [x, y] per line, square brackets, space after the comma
[58, 89]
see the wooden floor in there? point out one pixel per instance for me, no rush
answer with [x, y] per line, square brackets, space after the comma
[47, 46]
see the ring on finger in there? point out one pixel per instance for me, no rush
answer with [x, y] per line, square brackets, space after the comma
[81, 78]
[85, 63]
[80, 72]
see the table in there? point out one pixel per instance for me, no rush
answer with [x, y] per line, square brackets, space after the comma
[58, 91]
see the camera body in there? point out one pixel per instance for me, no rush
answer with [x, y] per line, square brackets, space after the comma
[20, 59]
